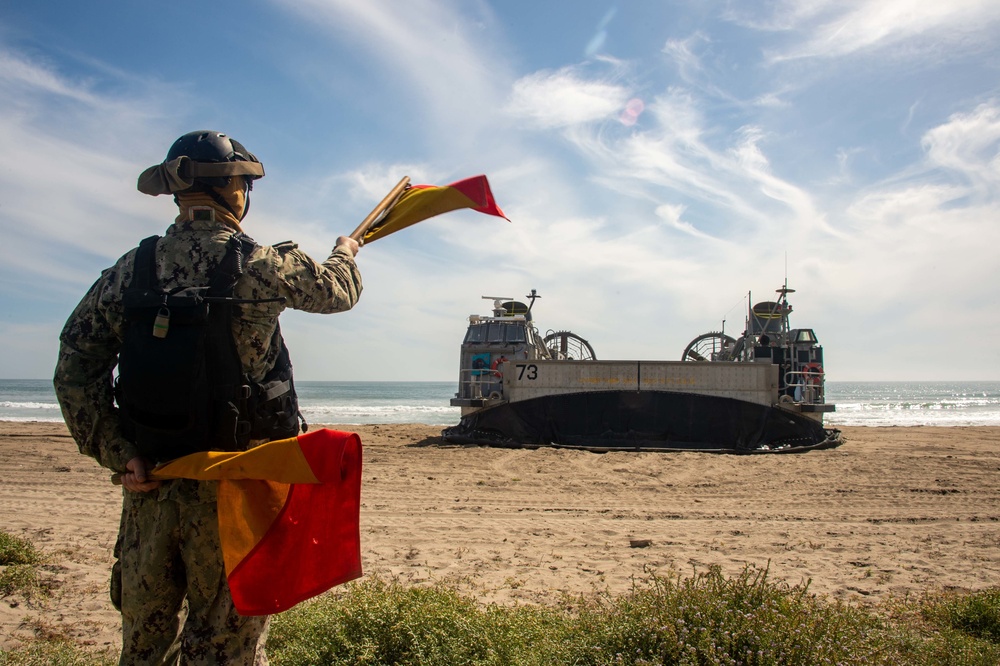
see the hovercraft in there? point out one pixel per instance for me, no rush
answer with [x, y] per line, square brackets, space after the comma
[763, 392]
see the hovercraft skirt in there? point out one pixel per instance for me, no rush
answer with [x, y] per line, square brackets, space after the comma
[643, 421]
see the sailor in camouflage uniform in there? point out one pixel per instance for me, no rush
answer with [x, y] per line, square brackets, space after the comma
[169, 581]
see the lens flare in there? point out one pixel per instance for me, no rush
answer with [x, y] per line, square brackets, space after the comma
[630, 114]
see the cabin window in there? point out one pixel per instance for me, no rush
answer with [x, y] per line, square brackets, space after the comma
[806, 335]
[476, 333]
[515, 334]
[496, 332]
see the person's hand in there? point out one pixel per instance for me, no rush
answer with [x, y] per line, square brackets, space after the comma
[135, 478]
[349, 243]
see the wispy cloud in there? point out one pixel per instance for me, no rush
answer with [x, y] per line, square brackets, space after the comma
[70, 150]
[430, 52]
[831, 28]
[969, 145]
[550, 100]
[20, 75]
[682, 52]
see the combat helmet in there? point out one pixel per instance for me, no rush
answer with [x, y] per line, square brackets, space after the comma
[205, 147]
[200, 162]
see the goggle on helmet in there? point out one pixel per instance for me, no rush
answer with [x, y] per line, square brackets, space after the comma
[204, 158]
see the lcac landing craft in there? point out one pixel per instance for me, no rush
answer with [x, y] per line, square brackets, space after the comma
[760, 393]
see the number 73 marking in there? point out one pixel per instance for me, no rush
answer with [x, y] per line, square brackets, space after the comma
[527, 371]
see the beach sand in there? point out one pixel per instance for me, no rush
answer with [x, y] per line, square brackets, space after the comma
[893, 511]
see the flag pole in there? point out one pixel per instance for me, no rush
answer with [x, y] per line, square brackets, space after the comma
[388, 202]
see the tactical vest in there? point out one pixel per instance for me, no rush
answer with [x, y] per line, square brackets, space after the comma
[181, 387]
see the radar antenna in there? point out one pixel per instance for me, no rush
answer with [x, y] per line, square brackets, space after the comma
[497, 304]
[531, 297]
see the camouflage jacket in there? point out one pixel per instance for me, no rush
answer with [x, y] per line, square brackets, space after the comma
[190, 250]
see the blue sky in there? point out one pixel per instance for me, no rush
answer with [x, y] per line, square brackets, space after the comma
[661, 163]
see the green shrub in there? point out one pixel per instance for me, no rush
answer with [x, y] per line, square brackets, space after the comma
[704, 619]
[18, 570]
[15, 550]
[21, 578]
[380, 622]
[951, 628]
[976, 614]
[709, 619]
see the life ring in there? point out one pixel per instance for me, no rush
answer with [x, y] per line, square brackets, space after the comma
[813, 373]
[495, 364]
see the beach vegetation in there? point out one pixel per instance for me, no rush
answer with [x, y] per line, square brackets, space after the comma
[17, 550]
[19, 560]
[21, 564]
[19, 578]
[976, 614]
[704, 618]
[55, 652]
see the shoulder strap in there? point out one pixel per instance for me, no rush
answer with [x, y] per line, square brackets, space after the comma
[144, 271]
[230, 269]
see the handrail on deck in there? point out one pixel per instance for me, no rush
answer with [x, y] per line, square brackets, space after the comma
[471, 383]
[807, 386]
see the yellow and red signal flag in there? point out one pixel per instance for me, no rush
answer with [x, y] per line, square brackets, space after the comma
[288, 516]
[420, 202]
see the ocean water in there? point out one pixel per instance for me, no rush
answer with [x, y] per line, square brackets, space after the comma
[378, 402]
[914, 403]
[858, 403]
[321, 402]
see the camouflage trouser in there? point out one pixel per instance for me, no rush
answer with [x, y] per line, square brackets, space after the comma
[175, 602]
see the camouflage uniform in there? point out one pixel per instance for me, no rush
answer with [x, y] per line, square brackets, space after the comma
[174, 599]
